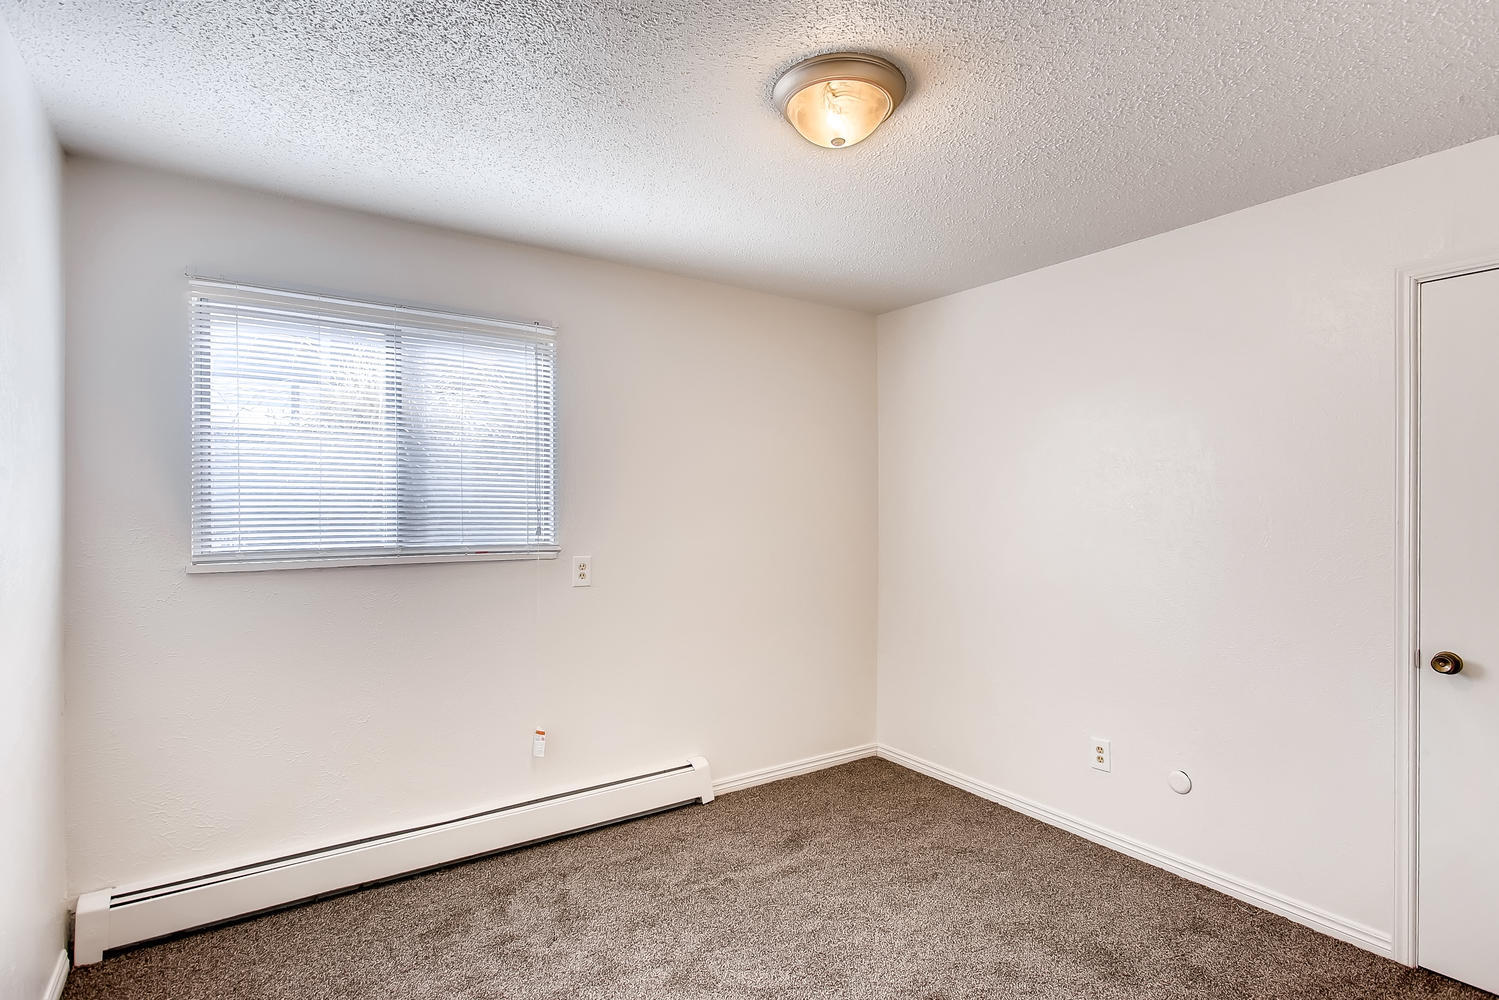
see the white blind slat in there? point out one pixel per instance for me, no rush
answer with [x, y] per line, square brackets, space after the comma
[330, 429]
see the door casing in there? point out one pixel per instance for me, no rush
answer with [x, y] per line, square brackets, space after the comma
[1405, 947]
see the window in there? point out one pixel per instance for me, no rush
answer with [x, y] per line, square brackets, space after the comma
[332, 431]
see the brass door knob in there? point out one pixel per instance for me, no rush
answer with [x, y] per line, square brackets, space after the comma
[1447, 663]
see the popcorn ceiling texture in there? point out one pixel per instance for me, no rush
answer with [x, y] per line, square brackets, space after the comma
[1035, 130]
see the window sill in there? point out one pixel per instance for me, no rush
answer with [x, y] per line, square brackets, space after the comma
[450, 557]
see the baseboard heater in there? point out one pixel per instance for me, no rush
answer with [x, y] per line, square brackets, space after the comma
[113, 918]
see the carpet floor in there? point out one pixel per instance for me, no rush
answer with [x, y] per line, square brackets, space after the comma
[861, 881]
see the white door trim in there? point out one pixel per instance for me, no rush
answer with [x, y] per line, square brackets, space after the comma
[1407, 563]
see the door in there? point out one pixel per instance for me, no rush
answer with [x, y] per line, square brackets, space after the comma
[1458, 690]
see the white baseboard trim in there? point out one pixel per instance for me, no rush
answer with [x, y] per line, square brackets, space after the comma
[1330, 924]
[59, 977]
[804, 766]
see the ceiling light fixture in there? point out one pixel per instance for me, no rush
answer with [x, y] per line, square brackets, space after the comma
[838, 99]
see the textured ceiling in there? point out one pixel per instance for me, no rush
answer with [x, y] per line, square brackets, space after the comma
[1035, 130]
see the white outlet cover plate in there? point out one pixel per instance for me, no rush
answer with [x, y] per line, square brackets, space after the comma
[582, 571]
[1101, 755]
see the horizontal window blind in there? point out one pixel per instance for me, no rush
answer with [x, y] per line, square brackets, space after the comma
[329, 429]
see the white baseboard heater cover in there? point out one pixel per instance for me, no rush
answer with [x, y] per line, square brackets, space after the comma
[113, 918]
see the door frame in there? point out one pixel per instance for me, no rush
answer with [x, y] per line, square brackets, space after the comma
[1405, 947]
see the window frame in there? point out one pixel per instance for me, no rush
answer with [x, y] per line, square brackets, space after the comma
[199, 286]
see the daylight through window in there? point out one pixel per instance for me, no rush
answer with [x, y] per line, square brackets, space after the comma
[330, 430]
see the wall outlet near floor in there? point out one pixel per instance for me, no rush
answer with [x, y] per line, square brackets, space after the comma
[1102, 756]
[582, 571]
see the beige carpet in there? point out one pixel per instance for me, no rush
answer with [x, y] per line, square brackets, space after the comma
[865, 881]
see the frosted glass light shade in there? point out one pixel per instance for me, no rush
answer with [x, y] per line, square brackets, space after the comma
[838, 113]
[838, 100]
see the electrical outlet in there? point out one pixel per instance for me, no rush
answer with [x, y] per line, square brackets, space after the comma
[1101, 757]
[582, 571]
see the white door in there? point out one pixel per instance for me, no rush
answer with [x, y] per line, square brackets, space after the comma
[1458, 933]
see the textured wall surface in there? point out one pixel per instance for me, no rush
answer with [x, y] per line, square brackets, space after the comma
[1149, 496]
[32, 911]
[717, 462]
[1035, 131]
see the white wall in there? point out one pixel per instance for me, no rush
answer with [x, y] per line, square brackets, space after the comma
[1148, 495]
[718, 463]
[32, 910]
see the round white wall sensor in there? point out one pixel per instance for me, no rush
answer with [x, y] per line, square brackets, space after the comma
[1181, 782]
